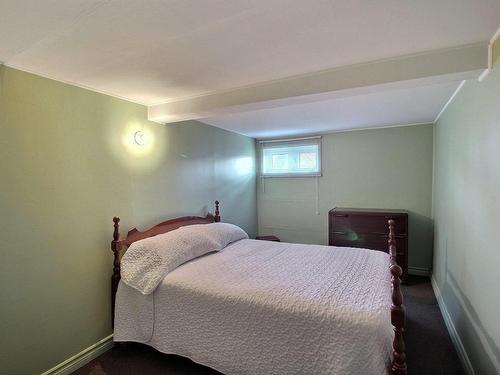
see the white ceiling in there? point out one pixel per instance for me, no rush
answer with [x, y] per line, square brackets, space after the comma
[155, 51]
[417, 105]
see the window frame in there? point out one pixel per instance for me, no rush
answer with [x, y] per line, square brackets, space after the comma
[290, 142]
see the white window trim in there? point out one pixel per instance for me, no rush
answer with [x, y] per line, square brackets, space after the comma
[288, 175]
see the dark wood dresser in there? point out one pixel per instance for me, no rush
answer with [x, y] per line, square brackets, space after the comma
[368, 228]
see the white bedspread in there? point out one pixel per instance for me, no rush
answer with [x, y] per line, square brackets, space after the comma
[260, 307]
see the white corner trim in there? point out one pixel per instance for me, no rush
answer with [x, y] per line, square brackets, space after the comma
[495, 36]
[449, 101]
[325, 133]
[75, 84]
[377, 127]
[419, 271]
[487, 71]
[455, 338]
[85, 356]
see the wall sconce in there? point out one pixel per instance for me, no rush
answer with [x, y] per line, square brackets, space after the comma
[140, 138]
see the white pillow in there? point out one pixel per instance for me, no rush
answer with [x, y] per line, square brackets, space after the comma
[222, 233]
[146, 262]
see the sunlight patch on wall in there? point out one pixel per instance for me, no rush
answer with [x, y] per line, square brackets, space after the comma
[244, 165]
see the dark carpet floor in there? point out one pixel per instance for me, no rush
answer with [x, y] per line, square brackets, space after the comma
[428, 345]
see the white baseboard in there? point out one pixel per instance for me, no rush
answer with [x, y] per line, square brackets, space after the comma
[82, 358]
[455, 338]
[419, 271]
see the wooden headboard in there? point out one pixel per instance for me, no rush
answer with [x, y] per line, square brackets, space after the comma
[134, 235]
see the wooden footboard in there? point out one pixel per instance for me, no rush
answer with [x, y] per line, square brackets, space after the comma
[398, 313]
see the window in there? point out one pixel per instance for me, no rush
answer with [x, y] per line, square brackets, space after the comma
[293, 157]
[279, 161]
[308, 160]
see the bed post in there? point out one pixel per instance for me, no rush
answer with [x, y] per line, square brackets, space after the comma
[217, 213]
[398, 312]
[115, 278]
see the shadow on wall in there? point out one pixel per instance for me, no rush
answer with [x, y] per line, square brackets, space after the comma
[469, 326]
[420, 241]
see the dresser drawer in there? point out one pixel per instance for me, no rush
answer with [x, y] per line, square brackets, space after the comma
[366, 224]
[367, 240]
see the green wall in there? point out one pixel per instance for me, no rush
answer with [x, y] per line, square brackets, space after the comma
[68, 165]
[380, 168]
[467, 218]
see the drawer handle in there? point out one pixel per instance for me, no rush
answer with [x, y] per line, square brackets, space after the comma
[340, 215]
[339, 232]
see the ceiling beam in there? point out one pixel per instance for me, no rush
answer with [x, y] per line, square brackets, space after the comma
[431, 67]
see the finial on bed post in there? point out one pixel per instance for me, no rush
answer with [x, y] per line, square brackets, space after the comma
[115, 278]
[397, 308]
[392, 241]
[217, 213]
[116, 232]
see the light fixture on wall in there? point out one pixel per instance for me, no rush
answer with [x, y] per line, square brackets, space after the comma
[141, 144]
[140, 138]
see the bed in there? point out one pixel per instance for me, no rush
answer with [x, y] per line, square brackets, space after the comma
[260, 307]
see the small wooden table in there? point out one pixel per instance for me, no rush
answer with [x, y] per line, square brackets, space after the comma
[268, 238]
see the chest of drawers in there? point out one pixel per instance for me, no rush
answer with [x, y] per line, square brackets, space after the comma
[368, 228]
